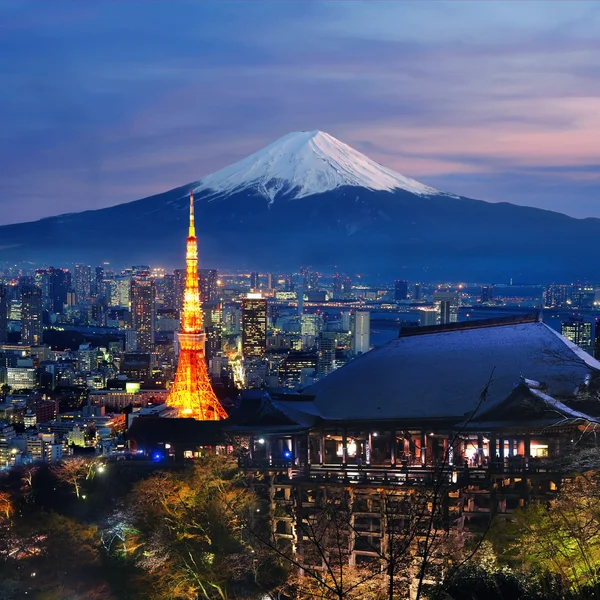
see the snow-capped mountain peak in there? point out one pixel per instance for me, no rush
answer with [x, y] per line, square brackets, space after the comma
[304, 163]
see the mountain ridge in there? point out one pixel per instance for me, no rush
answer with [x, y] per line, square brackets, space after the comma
[345, 227]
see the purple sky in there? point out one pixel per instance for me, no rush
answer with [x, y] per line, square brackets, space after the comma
[105, 102]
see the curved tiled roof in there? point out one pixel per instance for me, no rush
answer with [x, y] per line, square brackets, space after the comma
[442, 374]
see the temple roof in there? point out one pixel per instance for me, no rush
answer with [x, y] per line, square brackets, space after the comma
[440, 373]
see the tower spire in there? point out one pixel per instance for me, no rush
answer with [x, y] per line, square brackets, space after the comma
[192, 232]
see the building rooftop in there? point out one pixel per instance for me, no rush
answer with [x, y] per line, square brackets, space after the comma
[441, 372]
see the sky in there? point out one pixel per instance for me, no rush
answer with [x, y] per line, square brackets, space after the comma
[108, 101]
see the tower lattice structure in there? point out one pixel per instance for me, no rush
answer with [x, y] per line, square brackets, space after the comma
[192, 394]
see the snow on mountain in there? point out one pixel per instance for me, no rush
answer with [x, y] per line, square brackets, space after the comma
[304, 163]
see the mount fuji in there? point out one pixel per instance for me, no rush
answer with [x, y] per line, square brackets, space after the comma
[309, 199]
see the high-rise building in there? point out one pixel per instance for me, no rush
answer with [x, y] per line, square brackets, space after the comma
[31, 315]
[327, 347]
[123, 282]
[59, 283]
[296, 367]
[337, 285]
[289, 283]
[446, 302]
[305, 273]
[98, 282]
[583, 295]
[269, 281]
[192, 393]
[347, 286]
[179, 288]
[417, 292]
[314, 281]
[254, 281]
[579, 332]
[83, 282]
[208, 285]
[361, 331]
[143, 311]
[487, 293]
[557, 296]
[169, 297]
[3, 313]
[254, 326]
[400, 290]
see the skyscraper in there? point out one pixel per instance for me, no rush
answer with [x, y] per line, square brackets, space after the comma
[208, 285]
[347, 286]
[192, 394]
[179, 288]
[169, 297]
[417, 291]
[83, 282]
[337, 286]
[3, 313]
[361, 332]
[447, 304]
[254, 326]
[289, 283]
[254, 281]
[487, 293]
[579, 332]
[143, 311]
[31, 315]
[400, 290]
[98, 282]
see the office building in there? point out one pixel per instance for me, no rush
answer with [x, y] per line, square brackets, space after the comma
[3, 313]
[327, 346]
[207, 281]
[400, 290]
[487, 293]
[297, 368]
[31, 315]
[179, 288]
[337, 285]
[143, 310]
[254, 326]
[579, 332]
[446, 302]
[361, 331]
[254, 281]
[83, 283]
[558, 296]
[417, 292]
[428, 316]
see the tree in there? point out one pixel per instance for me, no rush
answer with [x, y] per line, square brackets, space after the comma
[187, 532]
[75, 471]
[562, 536]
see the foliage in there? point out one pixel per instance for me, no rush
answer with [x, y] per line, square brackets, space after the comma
[563, 536]
[187, 532]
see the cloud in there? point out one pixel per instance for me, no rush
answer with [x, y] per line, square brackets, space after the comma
[115, 101]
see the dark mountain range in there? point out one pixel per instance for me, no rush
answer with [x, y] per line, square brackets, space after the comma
[308, 199]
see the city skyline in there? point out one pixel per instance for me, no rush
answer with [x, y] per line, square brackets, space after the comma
[498, 104]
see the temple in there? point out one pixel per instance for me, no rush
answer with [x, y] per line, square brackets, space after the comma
[192, 394]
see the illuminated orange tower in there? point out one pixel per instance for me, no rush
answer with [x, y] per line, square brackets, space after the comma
[192, 395]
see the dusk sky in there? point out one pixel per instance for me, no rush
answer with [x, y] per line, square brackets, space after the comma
[107, 102]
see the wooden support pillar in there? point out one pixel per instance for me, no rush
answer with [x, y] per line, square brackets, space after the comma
[511, 448]
[251, 447]
[492, 448]
[269, 450]
[369, 448]
[501, 448]
[423, 448]
[527, 446]
[308, 449]
[393, 448]
[344, 446]
[479, 449]
[322, 448]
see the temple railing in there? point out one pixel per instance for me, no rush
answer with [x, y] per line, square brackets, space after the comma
[401, 474]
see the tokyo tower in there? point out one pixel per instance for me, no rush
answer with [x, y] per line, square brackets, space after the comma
[191, 394]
